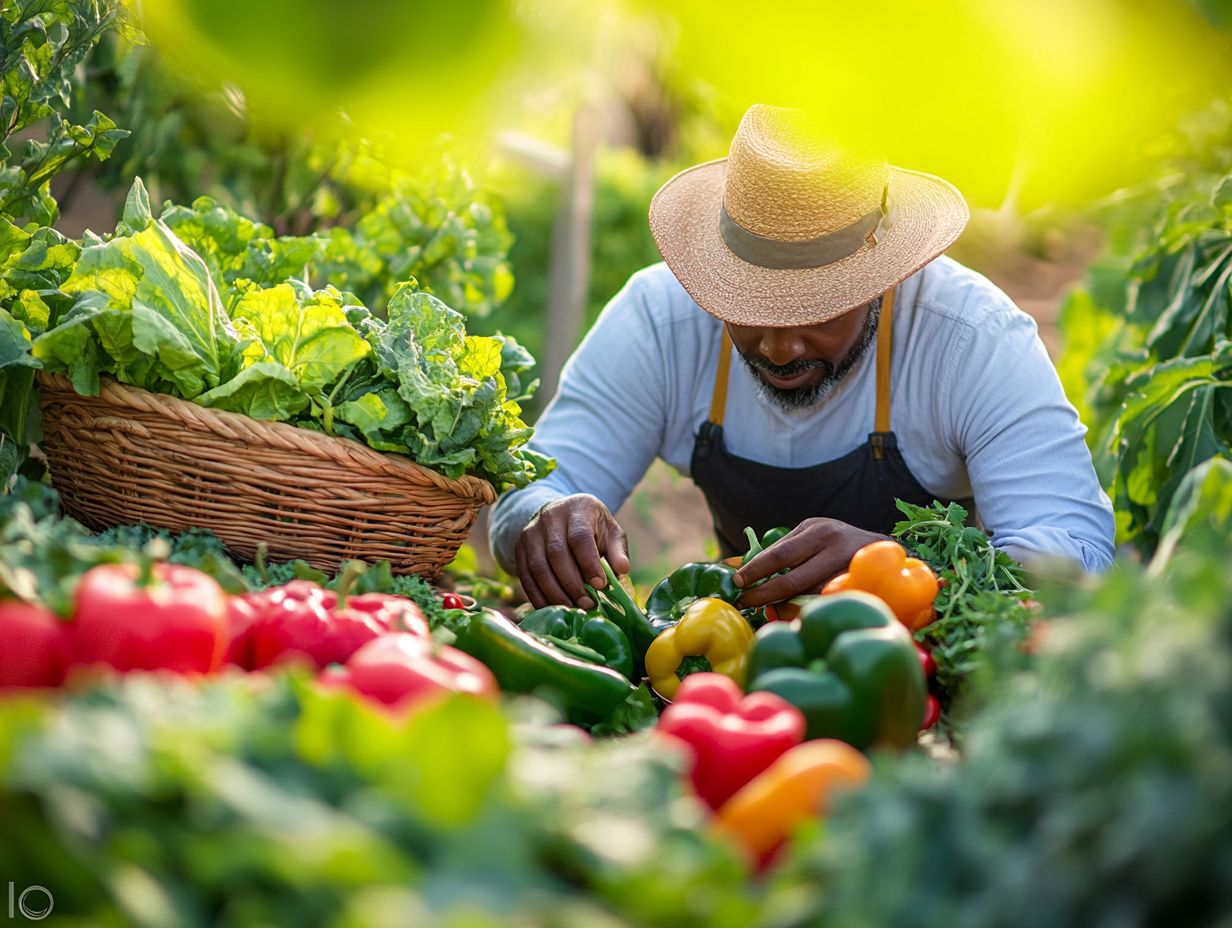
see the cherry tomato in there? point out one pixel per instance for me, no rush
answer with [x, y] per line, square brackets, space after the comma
[927, 662]
[932, 712]
[452, 601]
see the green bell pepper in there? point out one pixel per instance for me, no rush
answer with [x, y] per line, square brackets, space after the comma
[849, 666]
[680, 589]
[619, 608]
[522, 663]
[757, 546]
[581, 634]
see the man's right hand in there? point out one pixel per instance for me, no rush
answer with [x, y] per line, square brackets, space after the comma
[559, 550]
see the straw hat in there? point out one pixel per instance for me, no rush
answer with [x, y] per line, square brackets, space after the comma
[791, 230]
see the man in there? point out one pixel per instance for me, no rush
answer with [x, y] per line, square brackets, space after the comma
[869, 369]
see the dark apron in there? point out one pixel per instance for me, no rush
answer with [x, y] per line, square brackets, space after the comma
[859, 488]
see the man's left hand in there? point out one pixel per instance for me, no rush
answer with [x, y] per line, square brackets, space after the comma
[811, 553]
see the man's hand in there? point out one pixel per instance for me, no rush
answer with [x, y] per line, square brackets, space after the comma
[811, 553]
[560, 547]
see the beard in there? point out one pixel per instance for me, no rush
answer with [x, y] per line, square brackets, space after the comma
[803, 397]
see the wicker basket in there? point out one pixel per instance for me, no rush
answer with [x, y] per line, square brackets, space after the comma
[129, 455]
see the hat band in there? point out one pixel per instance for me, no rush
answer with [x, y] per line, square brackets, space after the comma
[777, 254]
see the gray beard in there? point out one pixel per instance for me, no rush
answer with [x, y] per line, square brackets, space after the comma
[803, 397]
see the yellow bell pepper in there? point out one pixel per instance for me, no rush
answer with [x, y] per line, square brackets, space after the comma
[796, 787]
[710, 629]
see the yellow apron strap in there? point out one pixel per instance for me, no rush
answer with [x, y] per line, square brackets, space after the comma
[718, 399]
[885, 340]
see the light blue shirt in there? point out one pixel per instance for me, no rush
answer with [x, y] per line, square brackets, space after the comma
[975, 402]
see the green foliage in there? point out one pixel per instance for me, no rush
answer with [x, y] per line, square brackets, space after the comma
[1094, 790]
[41, 46]
[1151, 337]
[981, 606]
[378, 224]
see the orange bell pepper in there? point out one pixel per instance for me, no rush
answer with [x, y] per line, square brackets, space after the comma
[906, 584]
[796, 787]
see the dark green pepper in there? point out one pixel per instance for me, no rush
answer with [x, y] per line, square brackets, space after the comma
[757, 546]
[849, 666]
[682, 587]
[584, 635]
[522, 663]
[619, 608]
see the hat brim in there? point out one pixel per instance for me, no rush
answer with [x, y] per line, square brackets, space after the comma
[928, 215]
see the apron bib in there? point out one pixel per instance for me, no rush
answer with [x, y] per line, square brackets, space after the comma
[859, 488]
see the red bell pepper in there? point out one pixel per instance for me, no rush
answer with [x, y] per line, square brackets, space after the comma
[303, 621]
[34, 646]
[402, 669]
[932, 712]
[158, 617]
[733, 737]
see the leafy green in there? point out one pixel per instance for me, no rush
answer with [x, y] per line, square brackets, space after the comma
[41, 46]
[237, 248]
[1149, 334]
[981, 604]
[148, 312]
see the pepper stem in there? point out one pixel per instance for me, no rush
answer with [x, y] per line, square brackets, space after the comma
[154, 550]
[345, 583]
[694, 663]
[261, 562]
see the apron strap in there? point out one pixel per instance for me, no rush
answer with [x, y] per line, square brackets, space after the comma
[885, 336]
[885, 342]
[718, 399]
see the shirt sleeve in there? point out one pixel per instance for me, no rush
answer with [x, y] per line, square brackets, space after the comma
[1031, 473]
[606, 423]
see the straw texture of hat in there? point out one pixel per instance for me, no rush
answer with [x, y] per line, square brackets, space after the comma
[791, 230]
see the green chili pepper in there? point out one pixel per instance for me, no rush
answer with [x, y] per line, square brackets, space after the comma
[581, 634]
[522, 663]
[757, 546]
[619, 608]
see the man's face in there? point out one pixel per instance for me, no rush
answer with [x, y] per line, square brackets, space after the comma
[801, 365]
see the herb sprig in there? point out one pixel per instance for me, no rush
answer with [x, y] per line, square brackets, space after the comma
[983, 598]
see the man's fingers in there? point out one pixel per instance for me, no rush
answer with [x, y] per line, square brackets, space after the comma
[785, 553]
[547, 571]
[585, 548]
[618, 549]
[806, 578]
[529, 587]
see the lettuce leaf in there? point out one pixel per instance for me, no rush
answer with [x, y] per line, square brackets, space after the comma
[148, 313]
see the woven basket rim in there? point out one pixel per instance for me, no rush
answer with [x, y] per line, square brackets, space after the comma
[326, 447]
